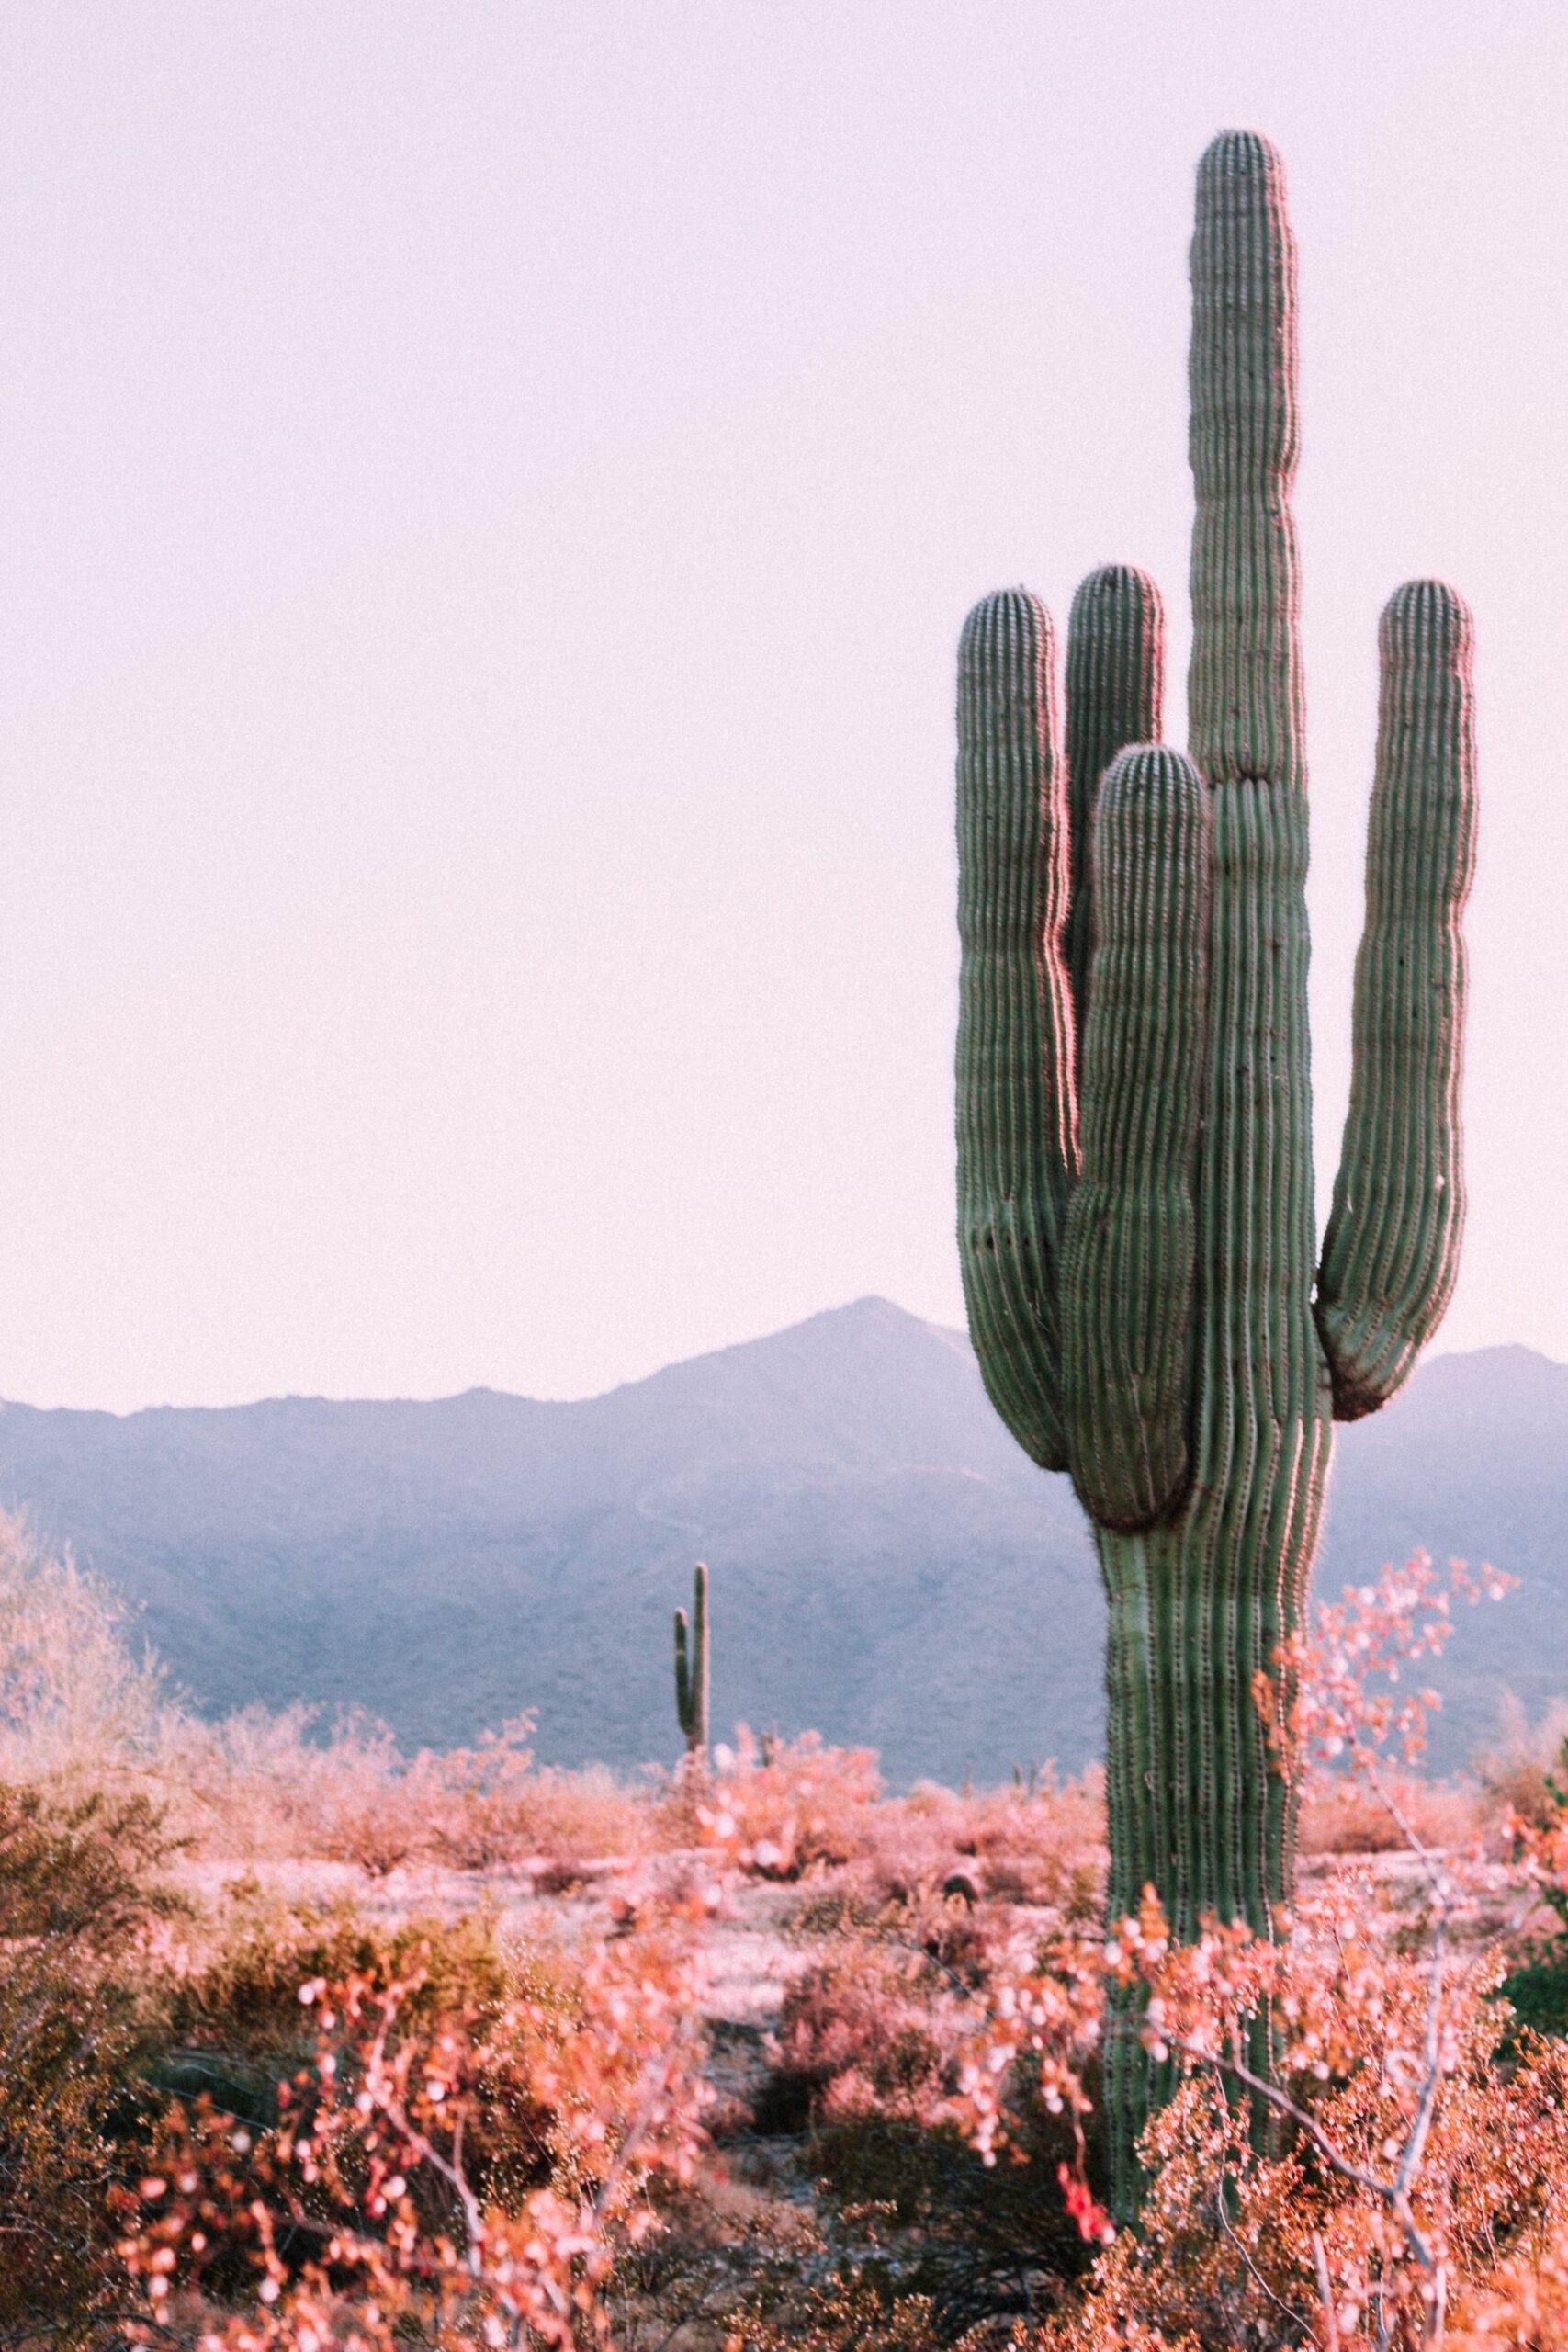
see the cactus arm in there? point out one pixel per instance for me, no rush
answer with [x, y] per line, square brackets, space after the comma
[1016, 1110]
[1115, 696]
[1245, 683]
[1130, 1264]
[1391, 1252]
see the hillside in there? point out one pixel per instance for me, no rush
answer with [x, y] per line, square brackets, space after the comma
[888, 1566]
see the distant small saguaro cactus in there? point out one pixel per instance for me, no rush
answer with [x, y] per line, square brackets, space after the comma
[1134, 1114]
[692, 1668]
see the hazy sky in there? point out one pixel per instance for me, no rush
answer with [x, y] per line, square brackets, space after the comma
[490, 495]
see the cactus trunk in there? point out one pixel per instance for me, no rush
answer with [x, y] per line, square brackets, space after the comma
[1135, 1186]
[1200, 1808]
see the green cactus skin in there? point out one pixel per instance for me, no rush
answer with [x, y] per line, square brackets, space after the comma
[1021, 1007]
[1017, 1139]
[1115, 696]
[1392, 1248]
[1149, 1322]
[1130, 1265]
[691, 1660]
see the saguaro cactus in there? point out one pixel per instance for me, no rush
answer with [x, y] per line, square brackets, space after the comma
[692, 1668]
[1136, 1184]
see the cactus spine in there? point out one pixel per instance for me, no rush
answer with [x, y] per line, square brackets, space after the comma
[1135, 1186]
[692, 1669]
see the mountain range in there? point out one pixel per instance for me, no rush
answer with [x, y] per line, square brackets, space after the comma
[887, 1568]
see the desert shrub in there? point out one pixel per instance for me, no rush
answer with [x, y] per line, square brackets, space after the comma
[256, 2013]
[973, 2243]
[954, 1925]
[240, 1788]
[1340, 1815]
[76, 1699]
[866, 2060]
[80, 1884]
[1043, 1848]
[780, 1808]
[263, 1786]
[933, 2084]
[869, 2025]
[788, 1809]
[1348, 2146]
[1521, 1773]
[69, 2045]
[843, 2315]
[438, 2171]
[238, 1993]
[1235, 2245]
[1521, 2303]
[461, 1807]
[87, 1872]
[1536, 1992]
[1537, 1987]
[586, 1816]
[267, 1786]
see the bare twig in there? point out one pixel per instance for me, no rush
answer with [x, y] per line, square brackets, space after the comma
[1325, 2294]
[1256, 2275]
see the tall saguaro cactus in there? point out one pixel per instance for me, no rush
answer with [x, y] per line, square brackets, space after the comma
[692, 1668]
[1135, 1182]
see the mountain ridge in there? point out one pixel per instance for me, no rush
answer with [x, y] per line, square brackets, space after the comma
[888, 1566]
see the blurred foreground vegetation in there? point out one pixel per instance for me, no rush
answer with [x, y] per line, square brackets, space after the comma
[305, 2042]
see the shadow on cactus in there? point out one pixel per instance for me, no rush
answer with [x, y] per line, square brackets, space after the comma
[1135, 1149]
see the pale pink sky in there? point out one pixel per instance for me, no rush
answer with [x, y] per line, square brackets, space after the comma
[490, 495]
